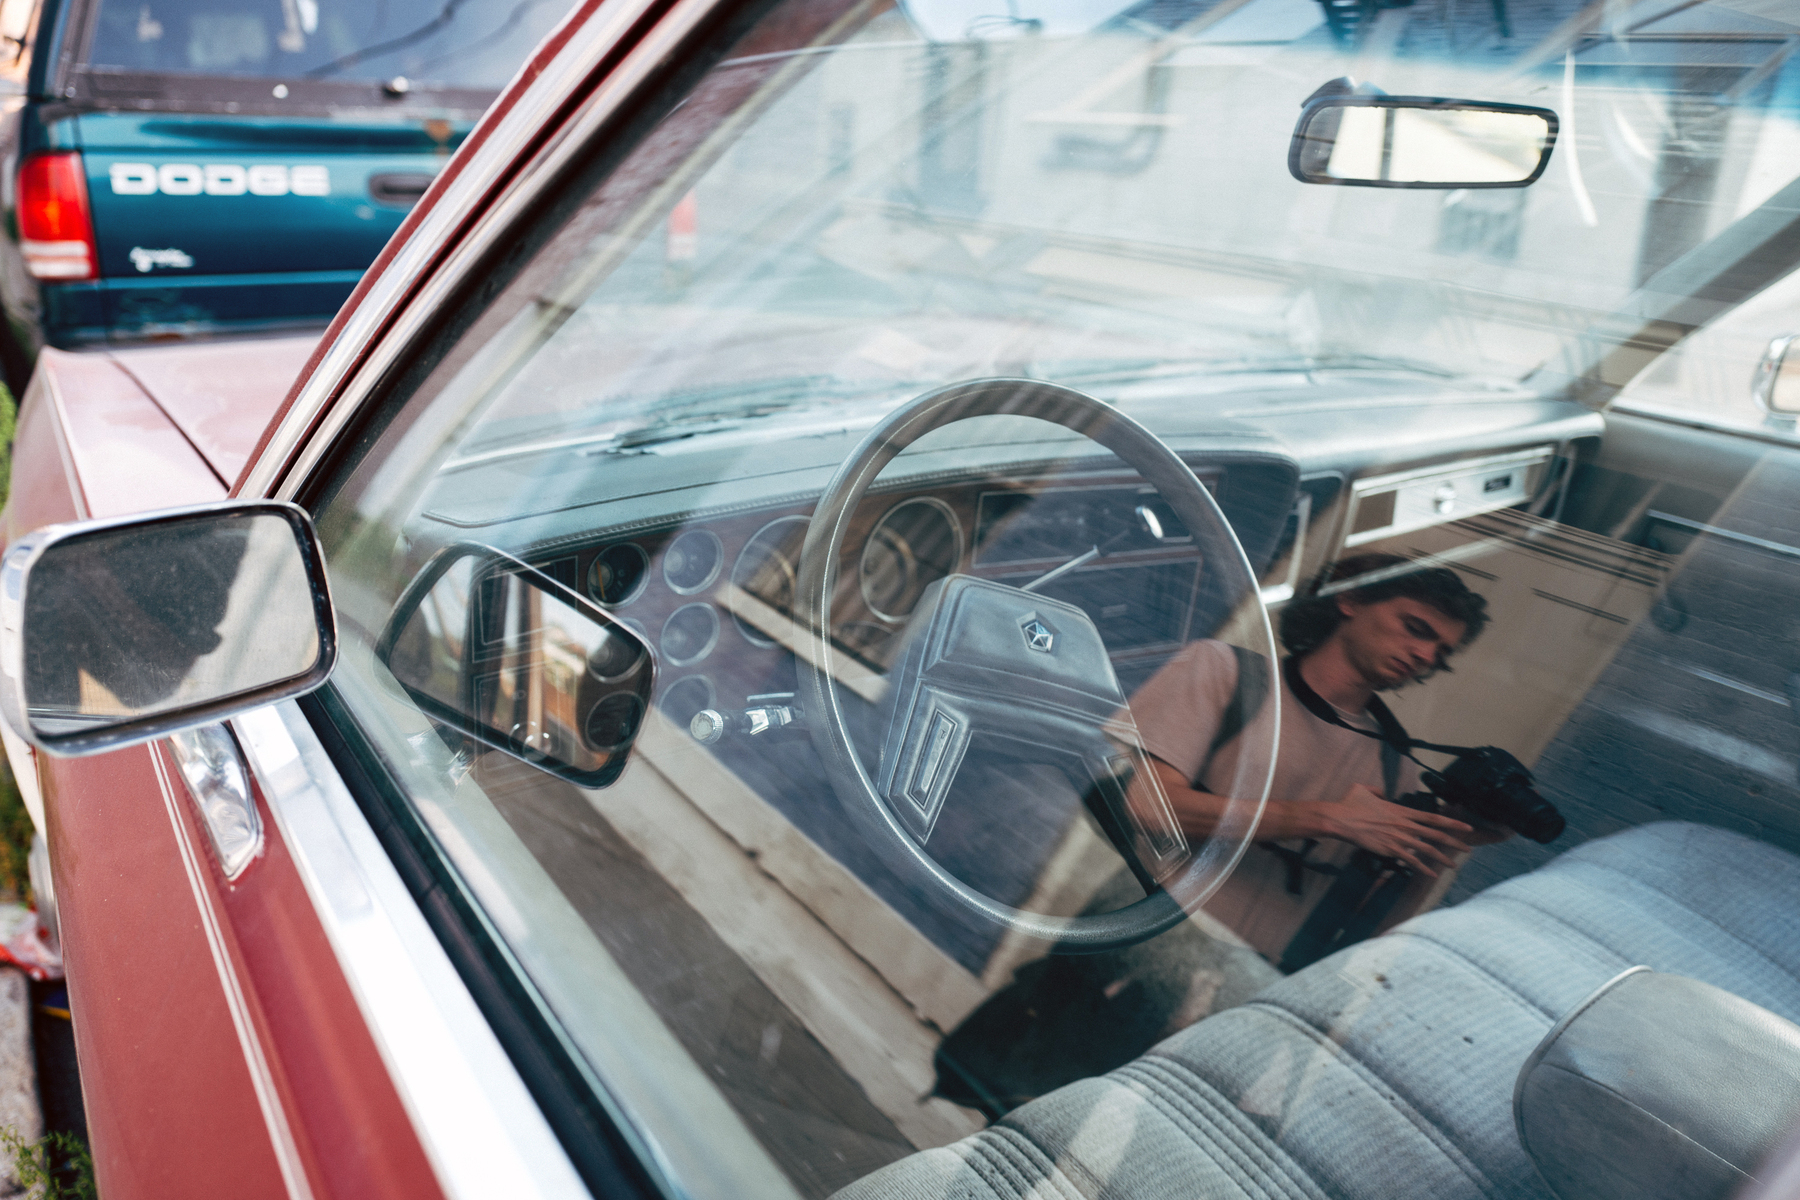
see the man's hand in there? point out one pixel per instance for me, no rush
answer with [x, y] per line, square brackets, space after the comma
[1421, 840]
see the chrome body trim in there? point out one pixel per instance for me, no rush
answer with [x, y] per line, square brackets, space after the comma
[415, 286]
[477, 1122]
[15, 579]
[256, 1062]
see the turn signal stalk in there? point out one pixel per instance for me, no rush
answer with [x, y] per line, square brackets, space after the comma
[56, 226]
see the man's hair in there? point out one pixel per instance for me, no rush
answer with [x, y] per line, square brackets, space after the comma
[1313, 616]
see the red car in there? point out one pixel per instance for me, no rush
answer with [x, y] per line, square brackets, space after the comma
[810, 629]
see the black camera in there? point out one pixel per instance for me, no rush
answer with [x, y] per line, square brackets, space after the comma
[1495, 786]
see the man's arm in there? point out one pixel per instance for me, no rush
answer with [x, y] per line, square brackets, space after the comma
[1362, 817]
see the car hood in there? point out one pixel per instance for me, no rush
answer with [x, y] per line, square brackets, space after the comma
[221, 395]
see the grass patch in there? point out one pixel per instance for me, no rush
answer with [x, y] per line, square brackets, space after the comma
[55, 1167]
[15, 822]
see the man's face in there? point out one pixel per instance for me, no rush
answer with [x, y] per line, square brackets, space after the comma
[1395, 641]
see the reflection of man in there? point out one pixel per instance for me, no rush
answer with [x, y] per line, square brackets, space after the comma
[1331, 783]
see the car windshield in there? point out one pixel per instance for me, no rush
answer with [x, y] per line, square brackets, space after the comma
[427, 42]
[1127, 599]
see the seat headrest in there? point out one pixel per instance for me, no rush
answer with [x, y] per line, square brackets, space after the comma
[1658, 1086]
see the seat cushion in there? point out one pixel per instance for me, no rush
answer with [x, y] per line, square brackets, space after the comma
[1386, 1070]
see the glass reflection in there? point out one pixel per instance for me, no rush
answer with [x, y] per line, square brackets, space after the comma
[128, 623]
[504, 653]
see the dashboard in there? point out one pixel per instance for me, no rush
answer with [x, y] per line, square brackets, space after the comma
[696, 546]
[714, 598]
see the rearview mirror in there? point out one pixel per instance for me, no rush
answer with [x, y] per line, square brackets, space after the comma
[498, 650]
[1420, 142]
[116, 632]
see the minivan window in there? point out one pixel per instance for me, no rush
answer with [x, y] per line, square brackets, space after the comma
[422, 41]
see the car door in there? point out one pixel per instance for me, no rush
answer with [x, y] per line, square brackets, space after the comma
[579, 815]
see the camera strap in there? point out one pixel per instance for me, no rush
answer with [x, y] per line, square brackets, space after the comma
[1392, 733]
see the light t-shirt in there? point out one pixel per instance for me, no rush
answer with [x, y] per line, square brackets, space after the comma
[1177, 712]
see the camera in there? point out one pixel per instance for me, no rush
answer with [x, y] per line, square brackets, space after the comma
[1495, 786]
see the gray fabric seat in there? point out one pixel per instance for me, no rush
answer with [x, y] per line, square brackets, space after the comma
[1386, 1070]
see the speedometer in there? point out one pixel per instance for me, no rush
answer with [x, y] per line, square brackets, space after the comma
[916, 544]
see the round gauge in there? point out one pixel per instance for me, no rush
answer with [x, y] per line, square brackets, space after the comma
[765, 570]
[617, 655]
[685, 697]
[916, 544]
[692, 561]
[618, 574]
[613, 722]
[690, 633]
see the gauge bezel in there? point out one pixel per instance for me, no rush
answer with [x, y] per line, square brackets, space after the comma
[637, 664]
[750, 633]
[712, 641]
[869, 544]
[712, 691]
[711, 575]
[643, 581]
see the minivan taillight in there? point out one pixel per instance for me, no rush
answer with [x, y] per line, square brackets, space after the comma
[56, 228]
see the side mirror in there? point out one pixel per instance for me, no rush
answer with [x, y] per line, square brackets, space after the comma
[1776, 385]
[498, 650]
[1420, 142]
[116, 632]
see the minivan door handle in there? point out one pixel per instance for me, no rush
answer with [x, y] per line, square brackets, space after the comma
[400, 189]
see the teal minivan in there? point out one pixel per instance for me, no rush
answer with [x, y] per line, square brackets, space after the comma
[183, 166]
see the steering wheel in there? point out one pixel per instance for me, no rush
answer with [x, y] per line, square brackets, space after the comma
[984, 657]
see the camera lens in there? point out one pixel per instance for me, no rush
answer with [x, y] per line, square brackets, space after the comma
[1494, 785]
[1535, 817]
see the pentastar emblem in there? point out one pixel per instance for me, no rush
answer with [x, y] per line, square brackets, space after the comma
[1038, 637]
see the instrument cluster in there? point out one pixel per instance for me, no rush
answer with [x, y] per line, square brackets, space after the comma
[715, 596]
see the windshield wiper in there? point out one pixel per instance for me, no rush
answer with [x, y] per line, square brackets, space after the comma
[513, 19]
[1133, 370]
[677, 416]
[444, 17]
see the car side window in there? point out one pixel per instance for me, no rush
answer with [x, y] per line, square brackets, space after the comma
[951, 617]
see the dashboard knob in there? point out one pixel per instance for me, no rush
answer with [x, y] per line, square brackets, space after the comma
[708, 726]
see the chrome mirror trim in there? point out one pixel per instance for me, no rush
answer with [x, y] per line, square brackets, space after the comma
[15, 573]
[1768, 372]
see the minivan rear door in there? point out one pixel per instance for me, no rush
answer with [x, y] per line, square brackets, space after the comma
[246, 221]
[247, 159]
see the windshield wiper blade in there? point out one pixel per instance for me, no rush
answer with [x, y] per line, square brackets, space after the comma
[444, 17]
[673, 417]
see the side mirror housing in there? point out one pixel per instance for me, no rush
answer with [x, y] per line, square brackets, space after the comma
[1419, 142]
[116, 632]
